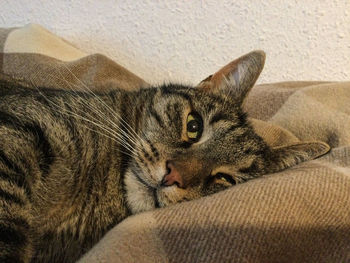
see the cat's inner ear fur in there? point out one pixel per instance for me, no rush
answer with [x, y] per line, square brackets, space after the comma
[237, 77]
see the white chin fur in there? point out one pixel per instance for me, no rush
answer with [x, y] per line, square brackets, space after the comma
[139, 197]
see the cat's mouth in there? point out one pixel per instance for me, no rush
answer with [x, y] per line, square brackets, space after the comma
[142, 181]
[148, 191]
[154, 191]
[155, 197]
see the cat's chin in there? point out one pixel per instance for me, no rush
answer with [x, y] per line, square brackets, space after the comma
[170, 195]
[140, 197]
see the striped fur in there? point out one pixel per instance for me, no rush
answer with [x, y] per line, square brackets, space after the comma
[74, 164]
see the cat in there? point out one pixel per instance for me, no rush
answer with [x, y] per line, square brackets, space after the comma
[73, 164]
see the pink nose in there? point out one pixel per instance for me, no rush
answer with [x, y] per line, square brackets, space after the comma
[173, 176]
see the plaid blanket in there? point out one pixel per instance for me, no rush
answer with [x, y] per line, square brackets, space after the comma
[298, 215]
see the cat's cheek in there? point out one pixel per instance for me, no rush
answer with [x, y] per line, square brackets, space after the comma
[157, 172]
[170, 195]
[217, 187]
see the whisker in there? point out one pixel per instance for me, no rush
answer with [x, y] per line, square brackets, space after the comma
[96, 110]
[134, 137]
[111, 134]
[129, 136]
[128, 127]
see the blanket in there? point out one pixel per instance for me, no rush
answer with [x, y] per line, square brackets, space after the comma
[298, 215]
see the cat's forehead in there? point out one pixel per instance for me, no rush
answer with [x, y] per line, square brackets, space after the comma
[196, 98]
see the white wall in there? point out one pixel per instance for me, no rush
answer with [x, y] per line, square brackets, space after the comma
[187, 40]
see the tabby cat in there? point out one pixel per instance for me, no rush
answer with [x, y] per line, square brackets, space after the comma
[73, 164]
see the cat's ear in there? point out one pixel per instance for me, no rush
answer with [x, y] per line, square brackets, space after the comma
[237, 77]
[286, 156]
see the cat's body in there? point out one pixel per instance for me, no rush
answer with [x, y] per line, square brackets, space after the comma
[67, 179]
[74, 164]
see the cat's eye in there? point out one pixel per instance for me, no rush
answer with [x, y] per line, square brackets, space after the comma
[194, 127]
[225, 178]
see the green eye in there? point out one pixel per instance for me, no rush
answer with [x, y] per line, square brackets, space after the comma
[194, 127]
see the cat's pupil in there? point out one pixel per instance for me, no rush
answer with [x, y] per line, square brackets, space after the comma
[193, 126]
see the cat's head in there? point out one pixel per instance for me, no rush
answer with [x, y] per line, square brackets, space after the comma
[197, 141]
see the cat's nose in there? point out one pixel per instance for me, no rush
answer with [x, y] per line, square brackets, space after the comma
[173, 176]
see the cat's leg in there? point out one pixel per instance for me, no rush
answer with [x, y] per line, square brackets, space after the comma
[15, 219]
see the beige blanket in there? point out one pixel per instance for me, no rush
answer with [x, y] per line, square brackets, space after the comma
[298, 215]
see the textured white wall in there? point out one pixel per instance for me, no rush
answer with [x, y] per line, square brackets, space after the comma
[187, 40]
